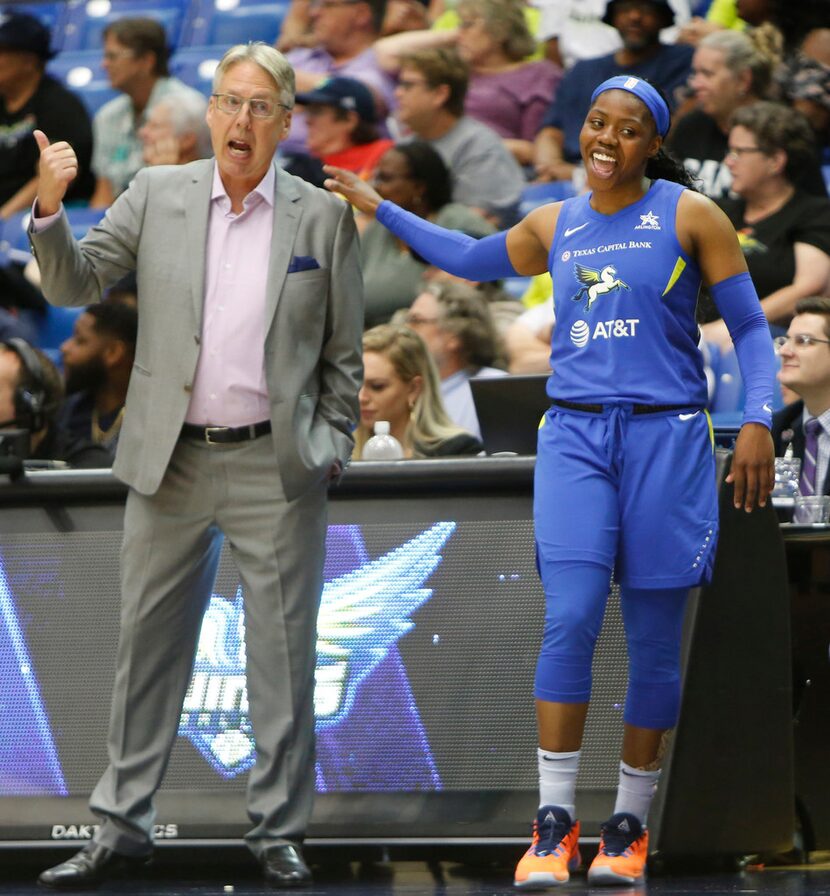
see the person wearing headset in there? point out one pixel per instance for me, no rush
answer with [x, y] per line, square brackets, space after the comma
[31, 392]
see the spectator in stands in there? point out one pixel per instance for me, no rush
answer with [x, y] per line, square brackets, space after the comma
[29, 99]
[506, 92]
[135, 59]
[729, 69]
[454, 321]
[97, 362]
[527, 341]
[574, 29]
[415, 177]
[342, 130]
[783, 230]
[30, 392]
[431, 89]
[805, 369]
[642, 55]
[401, 15]
[344, 32]
[175, 131]
[405, 15]
[806, 85]
[400, 385]
[793, 19]
[503, 306]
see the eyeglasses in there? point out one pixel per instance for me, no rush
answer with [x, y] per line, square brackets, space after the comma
[331, 4]
[800, 339]
[735, 152]
[407, 84]
[112, 55]
[416, 320]
[260, 108]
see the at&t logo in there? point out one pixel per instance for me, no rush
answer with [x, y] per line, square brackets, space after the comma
[603, 329]
[580, 334]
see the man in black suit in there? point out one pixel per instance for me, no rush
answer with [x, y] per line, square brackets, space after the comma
[805, 369]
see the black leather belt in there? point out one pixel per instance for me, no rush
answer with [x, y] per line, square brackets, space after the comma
[635, 409]
[225, 435]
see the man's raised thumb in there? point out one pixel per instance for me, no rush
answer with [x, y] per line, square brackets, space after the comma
[42, 140]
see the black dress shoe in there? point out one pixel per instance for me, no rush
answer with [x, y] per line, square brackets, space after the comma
[89, 867]
[283, 866]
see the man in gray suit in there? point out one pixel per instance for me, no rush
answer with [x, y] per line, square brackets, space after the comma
[240, 410]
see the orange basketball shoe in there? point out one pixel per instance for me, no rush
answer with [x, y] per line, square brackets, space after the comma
[553, 853]
[623, 849]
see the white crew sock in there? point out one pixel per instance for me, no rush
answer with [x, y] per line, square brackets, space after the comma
[557, 779]
[636, 791]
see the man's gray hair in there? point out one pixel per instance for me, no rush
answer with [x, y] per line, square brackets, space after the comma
[187, 116]
[268, 59]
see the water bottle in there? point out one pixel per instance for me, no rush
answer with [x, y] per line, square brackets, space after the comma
[382, 445]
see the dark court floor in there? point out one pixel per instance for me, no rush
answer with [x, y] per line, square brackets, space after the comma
[176, 875]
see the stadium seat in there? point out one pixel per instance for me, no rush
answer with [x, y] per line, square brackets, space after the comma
[535, 195]
[81, 218]
[729, 388]
[825, 170]
[85, 20]
[81, 71]
[195, 66]
[516, 287]
[54, 327]
[14, 240]
[14, 237]
[227, 22]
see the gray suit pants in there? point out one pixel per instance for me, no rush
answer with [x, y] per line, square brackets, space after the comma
[172, 541]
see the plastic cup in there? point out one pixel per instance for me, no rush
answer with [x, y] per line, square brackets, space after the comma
[812, 510]
[787, 473]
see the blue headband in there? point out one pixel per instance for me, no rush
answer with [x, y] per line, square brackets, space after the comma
[644, 92]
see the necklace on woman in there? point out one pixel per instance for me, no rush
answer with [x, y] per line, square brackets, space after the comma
[101, 436]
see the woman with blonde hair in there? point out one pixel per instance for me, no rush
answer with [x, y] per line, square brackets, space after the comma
[400, 385]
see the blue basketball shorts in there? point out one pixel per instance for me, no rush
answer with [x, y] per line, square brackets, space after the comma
[632, 492]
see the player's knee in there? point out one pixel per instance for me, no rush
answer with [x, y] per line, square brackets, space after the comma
[563, 679]
[652, 704]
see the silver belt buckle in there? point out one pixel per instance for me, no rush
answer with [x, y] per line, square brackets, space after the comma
[212, 429]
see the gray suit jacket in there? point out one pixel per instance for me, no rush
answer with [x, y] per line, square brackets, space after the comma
[314, 317]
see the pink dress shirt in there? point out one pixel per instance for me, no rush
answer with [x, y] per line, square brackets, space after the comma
[229, 386]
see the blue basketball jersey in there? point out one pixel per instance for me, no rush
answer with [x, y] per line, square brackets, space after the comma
[625, 294]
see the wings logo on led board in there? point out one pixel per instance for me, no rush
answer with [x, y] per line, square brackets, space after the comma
[363, 613]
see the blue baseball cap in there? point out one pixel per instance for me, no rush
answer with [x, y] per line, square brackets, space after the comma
[348, 94]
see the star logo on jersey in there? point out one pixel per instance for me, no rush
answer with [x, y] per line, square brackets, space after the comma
[363, 614]
[649, 221]
[596, 283]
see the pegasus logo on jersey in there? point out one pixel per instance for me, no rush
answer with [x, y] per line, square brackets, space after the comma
[363, 614]
[596, 283]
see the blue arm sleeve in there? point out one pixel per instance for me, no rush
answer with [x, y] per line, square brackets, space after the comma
[454, 252]
[738, 304]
